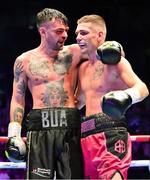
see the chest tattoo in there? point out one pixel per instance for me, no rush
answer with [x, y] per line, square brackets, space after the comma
[39, 68]
[98, 71]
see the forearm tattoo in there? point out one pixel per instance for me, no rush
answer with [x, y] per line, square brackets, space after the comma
[18, 114]
[18, 70]
[55, 95]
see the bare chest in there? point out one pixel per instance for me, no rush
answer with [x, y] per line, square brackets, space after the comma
[99, 78]
[44, 70]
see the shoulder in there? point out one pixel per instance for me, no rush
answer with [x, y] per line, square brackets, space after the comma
[25, 56]
[73, 48]
[124, 62]
[74, 51]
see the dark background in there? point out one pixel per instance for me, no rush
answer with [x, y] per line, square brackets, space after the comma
[128, 22]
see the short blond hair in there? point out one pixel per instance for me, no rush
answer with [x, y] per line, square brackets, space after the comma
[95, 19]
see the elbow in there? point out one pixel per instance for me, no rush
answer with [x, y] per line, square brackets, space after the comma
[146, 91]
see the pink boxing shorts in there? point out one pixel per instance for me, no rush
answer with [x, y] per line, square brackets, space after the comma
[106, 147]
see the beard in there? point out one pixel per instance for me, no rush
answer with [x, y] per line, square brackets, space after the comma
[59, 46]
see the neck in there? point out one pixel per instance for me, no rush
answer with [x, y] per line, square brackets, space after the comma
[47, 51]
[92, 58]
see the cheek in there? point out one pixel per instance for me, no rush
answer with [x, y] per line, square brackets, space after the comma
[95, 42]
[92, 43]
[49, 37]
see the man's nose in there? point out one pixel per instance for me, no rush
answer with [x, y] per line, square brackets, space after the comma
[78, 37]
[65, 34]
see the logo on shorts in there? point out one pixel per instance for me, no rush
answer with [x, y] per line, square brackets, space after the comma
[53, 118]
[120, 146]
[88, 125]
[42, 172]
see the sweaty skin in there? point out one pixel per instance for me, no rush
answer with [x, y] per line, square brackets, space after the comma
[49, 71]
[50, 74]
[97, 79]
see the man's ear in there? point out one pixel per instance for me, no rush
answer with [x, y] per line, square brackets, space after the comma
[101, 37]
[42, 31]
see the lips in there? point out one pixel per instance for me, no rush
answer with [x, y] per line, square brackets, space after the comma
[61, 43]
[82, 46]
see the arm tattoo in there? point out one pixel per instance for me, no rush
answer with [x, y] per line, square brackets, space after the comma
[55, 96]
[21, 88]
[18, 115]
[18, 70]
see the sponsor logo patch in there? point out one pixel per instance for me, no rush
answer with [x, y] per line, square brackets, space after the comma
[120, 146]
[42, 172]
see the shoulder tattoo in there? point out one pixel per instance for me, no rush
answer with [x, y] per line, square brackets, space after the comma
[62, 63]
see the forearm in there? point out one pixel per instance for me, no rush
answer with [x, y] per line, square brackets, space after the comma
[144, 92]
[16, 118]
[116, 103]
[136, 87]
[16, 112]
[138, 92]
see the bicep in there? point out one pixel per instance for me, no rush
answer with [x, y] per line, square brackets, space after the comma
[19, 82]
[19, 89]
[18, 94]
[134, 82]
[127, 74]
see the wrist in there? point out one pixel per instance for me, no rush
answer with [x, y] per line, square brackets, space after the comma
[134, 94]
[14, 129]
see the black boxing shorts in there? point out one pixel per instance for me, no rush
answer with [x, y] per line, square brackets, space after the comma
[53, 141]
[106, 147]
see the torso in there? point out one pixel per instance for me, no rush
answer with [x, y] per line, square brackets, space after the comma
[51, 81]
[96, 80]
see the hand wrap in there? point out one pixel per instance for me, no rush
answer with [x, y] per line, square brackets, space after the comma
[15, 146]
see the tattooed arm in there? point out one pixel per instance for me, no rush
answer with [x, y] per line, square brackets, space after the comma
[15, 146]
[18, 95]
